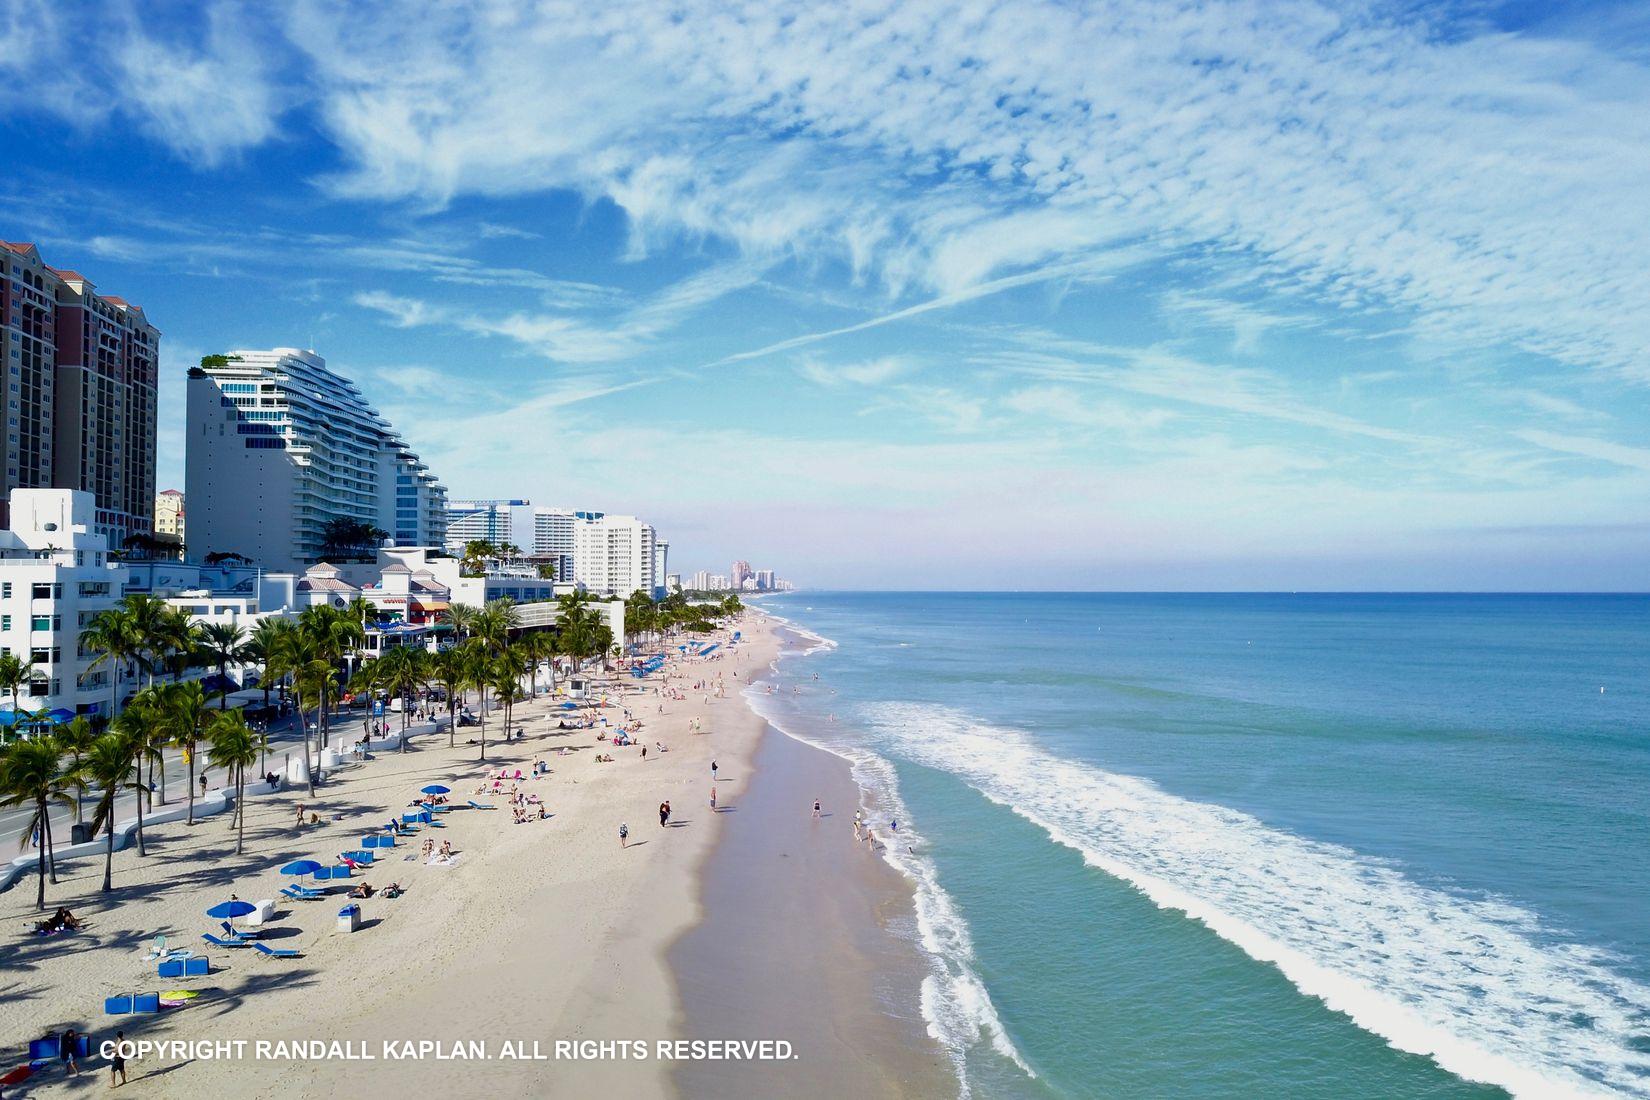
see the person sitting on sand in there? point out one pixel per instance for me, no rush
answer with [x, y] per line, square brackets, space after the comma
[362, 891]
[446, 850]
[542, 814]
[429, 847]
[393, 890]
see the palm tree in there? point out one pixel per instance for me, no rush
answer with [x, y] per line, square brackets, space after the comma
[75, 738]
[15, 672]
[297, 655]
[108, 766]
[180, 640]
[234, 746]
[462, 618]
[134, 725]
[447, 669]
[33, 776]
[475, 665]
[503, 674]
[262, 644]
[336, 635]
[112, 635]
[223, 643]
[183, 710]
[537, 647]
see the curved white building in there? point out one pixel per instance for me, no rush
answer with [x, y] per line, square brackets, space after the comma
[278, 445]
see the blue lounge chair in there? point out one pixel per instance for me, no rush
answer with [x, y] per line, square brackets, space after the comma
[474, 805]
[217, 941]
[360, 856]
[276, 952]
[117, 1006]
[199, 966]
[170, 968]
[146, 1002]
[233, 933]
[297, 893]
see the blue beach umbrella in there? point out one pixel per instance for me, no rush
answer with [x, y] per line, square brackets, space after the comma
[569, 706]
[60, 714]
[301, 867]
[435, 788]
[229, 910]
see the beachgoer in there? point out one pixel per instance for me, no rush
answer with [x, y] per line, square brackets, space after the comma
[664, 814]
[713, 797]
[66, 1049]
[117, 1060]
[816, 807]
[713, 771]
[300, 815]
[203, 784]
[624, 835]
[870, 841]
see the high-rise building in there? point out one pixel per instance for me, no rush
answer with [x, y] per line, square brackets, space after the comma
[740, 572]
[615, 554]
[279, 446]
[81, 374]
[701, 581]
[491, 521]
[169, 513]
[764, 580]
[553, 538]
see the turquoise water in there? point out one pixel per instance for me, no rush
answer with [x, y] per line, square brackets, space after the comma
[1294, 846]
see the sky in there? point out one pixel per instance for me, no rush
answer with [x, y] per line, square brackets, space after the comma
[1258, 294]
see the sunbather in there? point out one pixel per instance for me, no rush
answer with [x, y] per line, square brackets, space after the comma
[362, 891]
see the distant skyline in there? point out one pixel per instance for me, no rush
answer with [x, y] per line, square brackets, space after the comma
[1245, 295]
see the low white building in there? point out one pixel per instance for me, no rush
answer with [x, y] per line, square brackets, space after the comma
[55, 575]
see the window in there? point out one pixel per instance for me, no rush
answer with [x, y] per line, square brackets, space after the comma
[47, 622]
[5, 590]
[48, 591]
[39, 688]
[5, 622]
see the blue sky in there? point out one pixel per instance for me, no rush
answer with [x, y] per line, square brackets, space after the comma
[935, 294]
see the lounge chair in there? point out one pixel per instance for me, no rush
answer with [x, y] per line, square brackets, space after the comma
[217, 941]
[197, 966]
[474, 805]
[230, 931]
[300, 893]
[276, 952]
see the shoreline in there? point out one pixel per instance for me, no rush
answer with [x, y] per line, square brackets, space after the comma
[539, 932]
[820, 960]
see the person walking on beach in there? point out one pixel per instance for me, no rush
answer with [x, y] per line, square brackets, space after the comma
[664, 814]
[713, 771]
[624, 835]
[713, 798]
[67, 1049]
[870, 841]
[300, 815]
[816, 807]
[117, 1060]
[203, 784]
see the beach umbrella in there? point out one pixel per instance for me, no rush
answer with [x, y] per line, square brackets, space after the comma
[435, 788]
[229, 910]
[60, 714]
[301, 867]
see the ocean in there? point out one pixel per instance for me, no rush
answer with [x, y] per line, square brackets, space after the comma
[1256, 845]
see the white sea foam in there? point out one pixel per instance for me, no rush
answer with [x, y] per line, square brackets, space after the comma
[1462, 980]
[954, 1002]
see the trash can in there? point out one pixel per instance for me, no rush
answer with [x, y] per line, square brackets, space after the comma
[349, 918]
[80, 832]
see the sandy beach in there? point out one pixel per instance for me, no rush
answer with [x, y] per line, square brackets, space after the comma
[537, 932]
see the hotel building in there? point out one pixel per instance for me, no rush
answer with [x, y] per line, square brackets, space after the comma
[55, 574]
[169, 513]
[278, 445]
[81, 372]
[616, 555]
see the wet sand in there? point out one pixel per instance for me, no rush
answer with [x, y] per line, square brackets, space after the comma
[805, 937]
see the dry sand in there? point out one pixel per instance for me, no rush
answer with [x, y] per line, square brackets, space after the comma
[539, 932]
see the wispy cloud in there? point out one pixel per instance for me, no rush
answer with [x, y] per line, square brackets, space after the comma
[566, 337]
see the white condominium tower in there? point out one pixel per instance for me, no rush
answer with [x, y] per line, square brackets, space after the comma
[553, 538]
[615, 554]
[278, 446]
